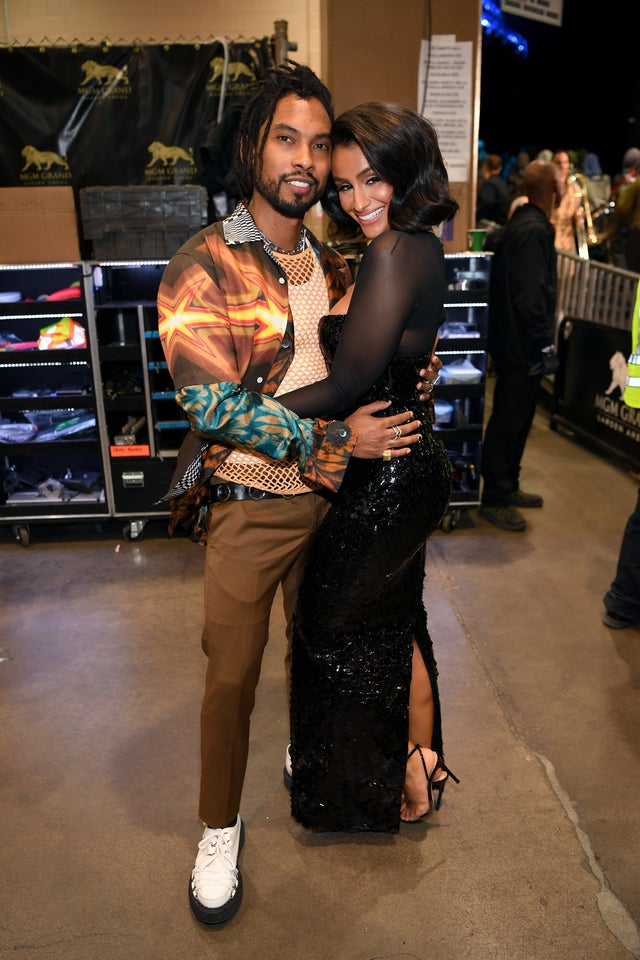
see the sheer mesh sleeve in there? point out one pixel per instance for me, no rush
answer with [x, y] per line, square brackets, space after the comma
[396, 309]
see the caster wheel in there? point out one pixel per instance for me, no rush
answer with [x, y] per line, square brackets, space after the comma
[450, 521]
[21, 533]
[134, 530]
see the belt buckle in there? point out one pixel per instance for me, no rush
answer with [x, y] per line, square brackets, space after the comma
[256, 494]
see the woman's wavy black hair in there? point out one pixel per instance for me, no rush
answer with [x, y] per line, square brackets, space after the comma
[402, 148]
[265, 94]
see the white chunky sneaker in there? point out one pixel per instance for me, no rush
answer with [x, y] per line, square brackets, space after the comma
[287, 772]
[215, 887]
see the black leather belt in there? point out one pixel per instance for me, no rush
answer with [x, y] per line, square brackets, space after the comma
[221, 492]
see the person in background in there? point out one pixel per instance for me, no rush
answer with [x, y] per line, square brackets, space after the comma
[363, 673]
[516, 169]
[622, 600]
[238, 308]
[630, 165]
[494, 196]
[624, 221]
[522, 301]
[569, 210]
[597, 183]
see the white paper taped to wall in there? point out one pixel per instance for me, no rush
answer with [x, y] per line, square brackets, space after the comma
[445, 97]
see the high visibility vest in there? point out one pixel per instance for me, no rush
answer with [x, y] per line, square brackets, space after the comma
[632, 390]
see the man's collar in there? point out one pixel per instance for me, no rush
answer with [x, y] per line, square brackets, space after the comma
[240, 227]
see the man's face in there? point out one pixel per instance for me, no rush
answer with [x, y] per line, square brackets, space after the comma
[292, 173]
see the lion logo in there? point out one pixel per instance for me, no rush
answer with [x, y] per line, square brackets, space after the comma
[618, 367]
[42, 159]
[237, 70]
[102, 73]
[168, 156]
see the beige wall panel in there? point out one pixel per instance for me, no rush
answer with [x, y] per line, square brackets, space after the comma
[372, 51]
[127, 20]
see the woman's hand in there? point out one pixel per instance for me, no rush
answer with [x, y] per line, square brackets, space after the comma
[385, 437]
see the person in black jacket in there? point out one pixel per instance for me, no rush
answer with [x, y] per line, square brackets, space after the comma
[522, 304]
[494, 196]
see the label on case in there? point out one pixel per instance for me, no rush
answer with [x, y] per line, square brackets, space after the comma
[130, 450]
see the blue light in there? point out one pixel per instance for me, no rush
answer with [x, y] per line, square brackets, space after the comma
[491, 21]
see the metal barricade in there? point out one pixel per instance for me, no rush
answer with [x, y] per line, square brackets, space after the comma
[594, 323]
[595, 291]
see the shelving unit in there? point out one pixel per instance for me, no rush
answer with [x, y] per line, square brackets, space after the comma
[460, 395]
[143, 425]
[89, 432]
[51, 463]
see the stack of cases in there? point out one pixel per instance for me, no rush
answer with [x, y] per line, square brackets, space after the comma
[140, 223]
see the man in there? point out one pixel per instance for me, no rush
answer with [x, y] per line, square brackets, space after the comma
[622, 599]
[494, 196]
[239, 306]
[522, 305]
[625, 219]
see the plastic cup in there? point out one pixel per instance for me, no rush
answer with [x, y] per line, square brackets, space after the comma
[475, 239]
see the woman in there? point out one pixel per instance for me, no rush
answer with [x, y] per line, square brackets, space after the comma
[568, 215]
[363, 671]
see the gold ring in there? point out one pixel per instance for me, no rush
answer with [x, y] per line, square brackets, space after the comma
[397, 432]
[386, 455]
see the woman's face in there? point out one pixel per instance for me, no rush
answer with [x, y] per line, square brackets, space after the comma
[363, 194]
[562, 162]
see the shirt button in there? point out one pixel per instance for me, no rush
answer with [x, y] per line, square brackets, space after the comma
[259, 379]
[281, 280]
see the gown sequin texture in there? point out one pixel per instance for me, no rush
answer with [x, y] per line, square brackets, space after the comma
[359, 608]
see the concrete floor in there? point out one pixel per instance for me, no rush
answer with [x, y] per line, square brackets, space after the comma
[535, 856]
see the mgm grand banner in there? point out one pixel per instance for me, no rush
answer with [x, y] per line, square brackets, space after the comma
[118, 115]
[589, 389]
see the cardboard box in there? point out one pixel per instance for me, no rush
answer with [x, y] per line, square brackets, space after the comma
[38, 225]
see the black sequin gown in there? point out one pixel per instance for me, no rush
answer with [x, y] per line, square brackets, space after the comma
[359, 608]
[360, 603]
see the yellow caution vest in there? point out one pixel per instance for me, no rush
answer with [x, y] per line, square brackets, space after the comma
[632, 390]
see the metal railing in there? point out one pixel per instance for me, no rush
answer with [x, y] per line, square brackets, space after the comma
[599, 292]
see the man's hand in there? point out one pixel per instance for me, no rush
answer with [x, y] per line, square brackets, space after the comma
[430, 377]
[385, 437]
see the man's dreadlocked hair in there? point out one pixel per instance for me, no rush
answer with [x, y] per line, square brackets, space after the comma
[281, 81]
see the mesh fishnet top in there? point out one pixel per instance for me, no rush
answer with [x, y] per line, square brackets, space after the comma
[309, 301]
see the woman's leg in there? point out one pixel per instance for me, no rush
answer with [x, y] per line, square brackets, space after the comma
[421, 708]
[415, 799]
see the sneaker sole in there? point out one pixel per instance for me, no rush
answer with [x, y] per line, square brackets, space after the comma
[617, 624]
[219, 915]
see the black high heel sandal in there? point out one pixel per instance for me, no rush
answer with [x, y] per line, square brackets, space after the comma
[439, 784]
[433, 786]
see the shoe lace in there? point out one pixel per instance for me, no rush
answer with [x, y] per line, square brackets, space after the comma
[218, 849]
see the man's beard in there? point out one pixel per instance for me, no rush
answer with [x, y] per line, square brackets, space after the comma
[296, 208]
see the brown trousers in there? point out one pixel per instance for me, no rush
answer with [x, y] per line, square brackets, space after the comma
[252, 548]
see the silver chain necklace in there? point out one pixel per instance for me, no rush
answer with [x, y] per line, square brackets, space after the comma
[299, 247]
